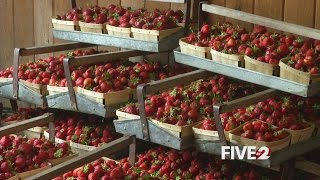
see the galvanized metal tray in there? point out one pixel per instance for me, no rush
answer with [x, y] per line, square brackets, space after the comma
[156, 134]
[84, 105]
[247, 75]
[167, 44]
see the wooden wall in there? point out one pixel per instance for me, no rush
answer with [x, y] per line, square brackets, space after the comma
[28, 23]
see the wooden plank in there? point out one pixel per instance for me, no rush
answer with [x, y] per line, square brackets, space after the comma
[151, 5]
[60, 7]
[26, 124]
[23, 26]
[213, 18]
[308, 166]
[317, 15]
[134, 4]
[86, 3]
[107, 3]
[269, 8]
[299, 12]
[240, 5]
[42, 24]
[284, 26]
[102, 151]
[6, 33]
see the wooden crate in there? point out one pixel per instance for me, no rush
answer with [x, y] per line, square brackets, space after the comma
[93, 27]
[119, 31]
[207, 134]
[52, 90]
[124, 116]
[153, 35]
[178, 131]
[292, 74]
[65, 25]
[27, 174]
[302, 134]
[110, 98]
[230, 59]
[57, 161]
[261, 67]
[56, 140]
[235, 137]
[38, 88]
[190, 49]
[5, 80]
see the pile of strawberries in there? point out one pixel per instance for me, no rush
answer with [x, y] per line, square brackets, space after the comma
[21, 154]
[161, 163]
[83, 129]
[189, 104]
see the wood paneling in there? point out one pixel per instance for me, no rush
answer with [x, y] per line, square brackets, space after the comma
[158, 5]
[136, 4]
[107, 3]
[269, 8]
[241, 5]
[7, 33]
[317, 15]
[215, 18]
[299, 12]
[42, 23]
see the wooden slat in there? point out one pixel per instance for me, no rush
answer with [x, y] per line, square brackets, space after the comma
[86, 3]
[150, 5]
[104, 57]
[6, 33]
[269, 8]
[308, 166]
[284, 26]
[42, 24]
[172, 1]
[60, 7]
[317, 15]
[107, 3]
[134, 4]
[213, 18]
[102, 151]
[26, 124]
[299, 12]
[240, 5]
[23, 23]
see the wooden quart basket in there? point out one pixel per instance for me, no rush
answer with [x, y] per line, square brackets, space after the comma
[110, 98]
[119, 31]
[274, 145]
[93, 28]
[207, 134]
[65, 25]
[25, 175]
[178, 131]
[230, 59]
[287, 72]
[125, 116]
[302, 134]
[38, 88]
[203, 52]
[5, 80]
[261, 67]
[57, 140]
[52, 90]
[153, 35]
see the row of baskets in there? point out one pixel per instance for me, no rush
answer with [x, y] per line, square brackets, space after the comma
[109, 98]
[136, 33]
[233, 136]
[282, 70]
